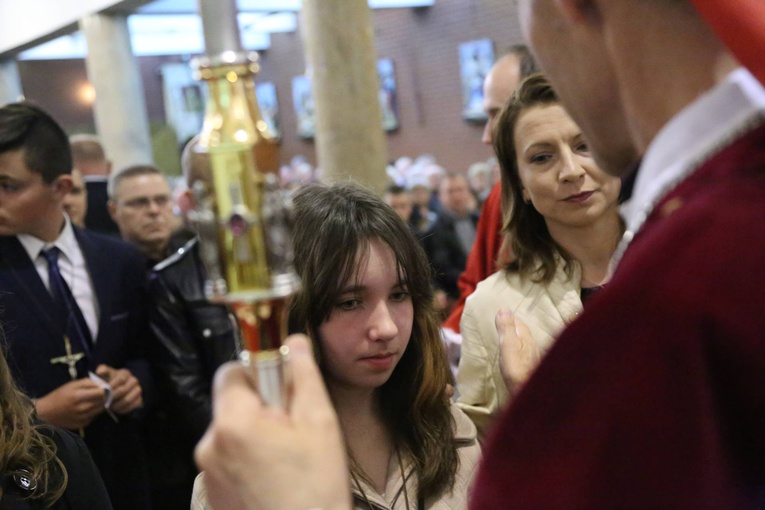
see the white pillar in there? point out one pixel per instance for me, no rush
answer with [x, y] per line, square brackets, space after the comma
[10, 82]
[338, 39]
[219, 25]
[120, 107]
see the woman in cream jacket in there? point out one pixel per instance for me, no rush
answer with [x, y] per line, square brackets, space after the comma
[563, 224]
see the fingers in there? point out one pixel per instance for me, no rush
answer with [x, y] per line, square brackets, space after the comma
[122, 383]
[83, 390]
[518, 351]
[221, 491]
[232, 386]
[104, 372]
[73, 405]
[235, 405]
[127, 394]
[310, 401]
[522, 331]
[129, 402]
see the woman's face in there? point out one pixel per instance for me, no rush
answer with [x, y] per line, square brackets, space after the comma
[557, 171]
[368, 330]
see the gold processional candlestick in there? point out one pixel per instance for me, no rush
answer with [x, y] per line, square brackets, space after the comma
[245, 221]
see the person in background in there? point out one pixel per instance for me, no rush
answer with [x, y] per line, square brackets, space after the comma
[140, 203]
[422, 218]
[76, 201]
[76, 301]
[450, 239]
[89, 158]
[486, 257]
[192, 337]
[479, 177]
[434, 173]
[563, 225]
[43, 466]
[399, 199]
[366, 301]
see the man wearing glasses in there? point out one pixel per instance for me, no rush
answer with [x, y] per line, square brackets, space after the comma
[141, 205]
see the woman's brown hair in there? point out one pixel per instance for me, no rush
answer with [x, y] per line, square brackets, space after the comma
[334, 226]
[535, 252]
[24, 448]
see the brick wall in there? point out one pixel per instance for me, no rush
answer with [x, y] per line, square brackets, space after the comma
[422, 43]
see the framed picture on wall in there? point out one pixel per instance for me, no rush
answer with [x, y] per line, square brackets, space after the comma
[302, 99]
[388, 94]
[184, 100]
[269, 107]
[476, 58]
[192, 98]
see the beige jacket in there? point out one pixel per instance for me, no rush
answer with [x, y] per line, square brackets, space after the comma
[469, 455]
[546, 309]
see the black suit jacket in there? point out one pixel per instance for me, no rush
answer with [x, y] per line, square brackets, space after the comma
[445, 252]
[192, 338]
[97, 217]
[32, 339]
[84, 488]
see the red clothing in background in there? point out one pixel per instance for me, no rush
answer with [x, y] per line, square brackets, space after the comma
[481, 262]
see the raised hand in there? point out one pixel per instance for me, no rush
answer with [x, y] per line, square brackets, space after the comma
[519, 353]
[256, 457]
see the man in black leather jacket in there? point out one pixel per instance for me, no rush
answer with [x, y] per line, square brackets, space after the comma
[194, 337]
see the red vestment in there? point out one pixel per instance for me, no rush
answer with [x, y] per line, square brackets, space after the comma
[655, 397]
[482, 259]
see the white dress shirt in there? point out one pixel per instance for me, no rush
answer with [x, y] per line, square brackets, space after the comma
[73, 269]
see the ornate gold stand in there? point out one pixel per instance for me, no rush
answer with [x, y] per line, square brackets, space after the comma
[245, 220]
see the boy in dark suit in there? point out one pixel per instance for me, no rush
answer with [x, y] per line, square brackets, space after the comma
[72, 305]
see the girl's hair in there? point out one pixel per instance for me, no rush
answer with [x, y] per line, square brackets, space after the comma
[334, 226]
[23, 446]
[534, 249]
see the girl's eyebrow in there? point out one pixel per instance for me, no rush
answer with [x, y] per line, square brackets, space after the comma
[354, 288]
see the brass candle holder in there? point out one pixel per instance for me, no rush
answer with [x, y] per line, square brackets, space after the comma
[245, 221]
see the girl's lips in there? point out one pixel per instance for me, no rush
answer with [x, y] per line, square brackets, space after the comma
[380, 362]
[579, 197]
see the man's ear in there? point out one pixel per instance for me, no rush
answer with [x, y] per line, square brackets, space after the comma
[185, 202]
[112, 207]
[580, 11]
[62, 185]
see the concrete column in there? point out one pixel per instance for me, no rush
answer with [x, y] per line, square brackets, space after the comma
[338, 39]
[10, 82]
[120, 108]
[219, 25]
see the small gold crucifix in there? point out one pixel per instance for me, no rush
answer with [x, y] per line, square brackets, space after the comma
[70, 359]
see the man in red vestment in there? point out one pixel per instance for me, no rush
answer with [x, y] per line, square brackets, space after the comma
[499, 85]
[655, 396]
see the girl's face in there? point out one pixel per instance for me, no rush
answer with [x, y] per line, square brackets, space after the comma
[368, 330]
[559, 176]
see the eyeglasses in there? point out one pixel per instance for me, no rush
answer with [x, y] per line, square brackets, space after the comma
[141, 203]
